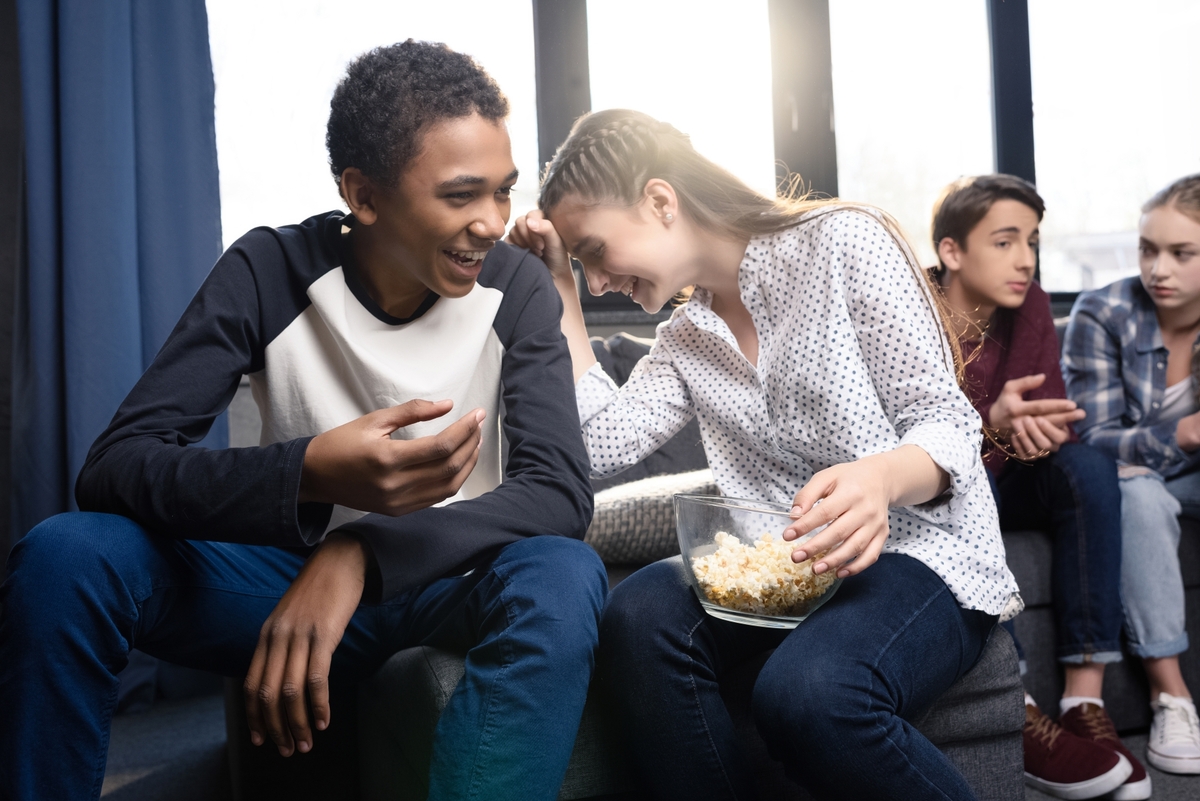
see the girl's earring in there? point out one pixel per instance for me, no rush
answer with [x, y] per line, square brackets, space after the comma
[669, 217]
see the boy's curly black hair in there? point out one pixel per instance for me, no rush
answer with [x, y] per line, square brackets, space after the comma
[390, 93]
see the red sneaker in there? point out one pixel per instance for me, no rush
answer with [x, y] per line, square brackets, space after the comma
[1091, 722]
[1065, 766]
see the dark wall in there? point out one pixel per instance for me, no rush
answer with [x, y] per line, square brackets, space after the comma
[10, 243]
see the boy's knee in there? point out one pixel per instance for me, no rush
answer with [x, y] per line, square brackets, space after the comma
[559, 574]
[74, 544]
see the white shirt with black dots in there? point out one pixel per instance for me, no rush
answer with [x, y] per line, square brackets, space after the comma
[851, 362]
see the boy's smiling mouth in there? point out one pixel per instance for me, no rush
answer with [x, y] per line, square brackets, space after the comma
[466, 258]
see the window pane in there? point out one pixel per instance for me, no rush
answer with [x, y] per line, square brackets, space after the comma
[1115, 120]
[912, 95]
[276, 63]
[703, 66]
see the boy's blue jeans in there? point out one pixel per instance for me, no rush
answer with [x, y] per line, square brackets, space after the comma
[84, 589]
[1074, 496]
[832, 702]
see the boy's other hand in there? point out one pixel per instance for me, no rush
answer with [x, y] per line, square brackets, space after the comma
[1035, 428]
[290, 667]
[537, 234]
[359, 465]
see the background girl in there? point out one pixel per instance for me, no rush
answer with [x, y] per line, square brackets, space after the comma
[1130, 360]
[812, 353]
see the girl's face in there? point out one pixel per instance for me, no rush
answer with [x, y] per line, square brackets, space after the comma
[633, 250]
[1169, 256]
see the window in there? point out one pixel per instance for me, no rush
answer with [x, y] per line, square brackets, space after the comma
[703, 66]
[912, 96]
[276, 63]
[1115, 120]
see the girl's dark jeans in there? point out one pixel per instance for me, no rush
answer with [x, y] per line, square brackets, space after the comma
[832, 702]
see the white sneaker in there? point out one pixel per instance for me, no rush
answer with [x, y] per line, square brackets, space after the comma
[1174, 745]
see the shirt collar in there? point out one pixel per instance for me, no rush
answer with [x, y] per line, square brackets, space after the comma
[1149, 337]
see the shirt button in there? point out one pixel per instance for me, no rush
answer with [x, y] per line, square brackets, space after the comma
[1160, 365]
[1155, 404]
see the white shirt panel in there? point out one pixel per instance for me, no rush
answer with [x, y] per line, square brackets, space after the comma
[337, 362]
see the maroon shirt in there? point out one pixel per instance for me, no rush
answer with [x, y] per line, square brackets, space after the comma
[1019, 342]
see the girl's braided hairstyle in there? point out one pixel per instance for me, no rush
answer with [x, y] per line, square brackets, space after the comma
[610, 156]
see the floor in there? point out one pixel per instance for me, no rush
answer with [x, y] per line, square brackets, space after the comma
[176, 752]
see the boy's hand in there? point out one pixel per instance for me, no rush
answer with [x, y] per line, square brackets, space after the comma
[535, 232]
[359, 465]
[1036, 428]
[290, 666]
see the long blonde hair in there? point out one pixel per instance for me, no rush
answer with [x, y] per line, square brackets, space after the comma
[610, 156]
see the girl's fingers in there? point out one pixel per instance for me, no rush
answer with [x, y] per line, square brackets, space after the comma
[807, 513]
[854, 539]
[868, 557]
[830, 538]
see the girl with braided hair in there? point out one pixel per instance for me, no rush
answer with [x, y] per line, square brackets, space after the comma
[813, 353]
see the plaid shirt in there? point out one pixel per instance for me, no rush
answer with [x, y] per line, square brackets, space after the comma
[1115, 367]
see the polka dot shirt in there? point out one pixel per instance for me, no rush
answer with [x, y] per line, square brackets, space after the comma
[852, 362]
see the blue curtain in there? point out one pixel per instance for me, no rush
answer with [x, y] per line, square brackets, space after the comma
[122, 220]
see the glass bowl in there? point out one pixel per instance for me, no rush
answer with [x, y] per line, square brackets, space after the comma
[740, 566]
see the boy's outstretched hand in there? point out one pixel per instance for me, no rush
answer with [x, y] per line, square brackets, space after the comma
[1035, 428]
[359, 465]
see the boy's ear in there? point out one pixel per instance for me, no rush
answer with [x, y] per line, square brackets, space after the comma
[661, 200]
[359, 195]
[950, 253]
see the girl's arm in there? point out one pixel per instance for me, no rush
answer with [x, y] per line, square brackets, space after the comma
[535, 232]
[620, 426]
[1092, 364]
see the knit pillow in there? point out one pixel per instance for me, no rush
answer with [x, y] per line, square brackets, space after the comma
[634, 523]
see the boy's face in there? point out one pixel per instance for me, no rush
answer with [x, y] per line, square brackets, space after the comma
[997, 264]
[451, 204]
[1169, 256]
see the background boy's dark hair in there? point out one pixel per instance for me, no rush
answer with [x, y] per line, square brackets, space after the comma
[965, 202]
[390, 93]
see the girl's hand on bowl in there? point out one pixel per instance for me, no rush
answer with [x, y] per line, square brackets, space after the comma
[534, 232]
[854, 499]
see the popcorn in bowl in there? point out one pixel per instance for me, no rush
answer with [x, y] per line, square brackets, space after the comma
[760, 578]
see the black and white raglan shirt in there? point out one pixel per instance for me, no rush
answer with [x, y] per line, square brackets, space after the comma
[285, 307]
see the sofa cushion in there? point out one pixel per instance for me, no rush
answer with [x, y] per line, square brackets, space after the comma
[634, 523]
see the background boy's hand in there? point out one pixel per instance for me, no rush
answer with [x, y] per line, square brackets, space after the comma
[537, 234]
[1035, 428]
[359, 465]
[290, 667]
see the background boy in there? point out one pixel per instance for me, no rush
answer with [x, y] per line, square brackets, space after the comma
[346, 326]
[985, 230]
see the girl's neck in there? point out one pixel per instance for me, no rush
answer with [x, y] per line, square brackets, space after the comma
[1181, 322]
[718, 261]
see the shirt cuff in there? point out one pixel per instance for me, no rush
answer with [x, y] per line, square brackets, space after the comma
[593, 392]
